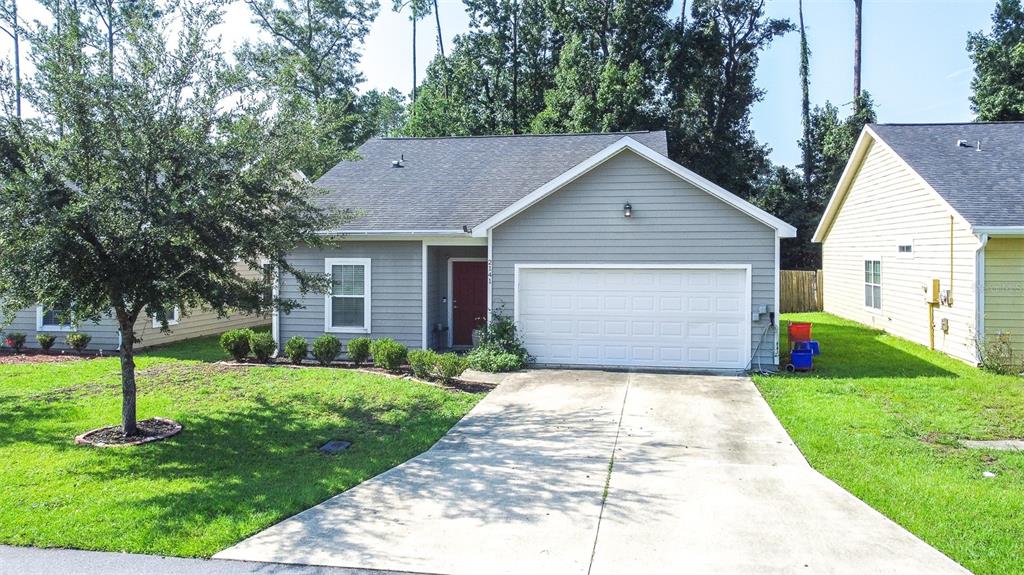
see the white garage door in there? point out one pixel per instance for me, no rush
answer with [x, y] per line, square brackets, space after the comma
[651, 317]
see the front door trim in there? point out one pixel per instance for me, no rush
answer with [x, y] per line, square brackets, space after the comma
[451, 314]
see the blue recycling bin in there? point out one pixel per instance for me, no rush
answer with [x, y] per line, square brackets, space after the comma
[801, 360]
[811, 346]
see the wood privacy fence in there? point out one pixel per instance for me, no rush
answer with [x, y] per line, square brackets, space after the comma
[800, 291]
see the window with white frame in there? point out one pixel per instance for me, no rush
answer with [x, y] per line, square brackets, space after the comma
[173, 317]
[53, 319]
[347, 305]
[873, 284]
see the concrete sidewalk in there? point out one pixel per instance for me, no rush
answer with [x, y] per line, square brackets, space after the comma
[32, 561]
[704, 480]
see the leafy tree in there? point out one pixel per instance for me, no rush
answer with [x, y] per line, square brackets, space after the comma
[11, 26]
[827, 147]
[493, 80]
[309, 65]
[999, 65]
[144, 189]
[712, 65]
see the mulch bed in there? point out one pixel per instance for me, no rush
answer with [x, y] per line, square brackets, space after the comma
[153, 429]
[22, 358]
[406, 373]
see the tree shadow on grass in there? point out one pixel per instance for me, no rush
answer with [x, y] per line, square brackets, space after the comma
[251, 469]
[849, 351]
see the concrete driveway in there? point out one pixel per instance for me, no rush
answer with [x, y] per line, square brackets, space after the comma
[704, 480]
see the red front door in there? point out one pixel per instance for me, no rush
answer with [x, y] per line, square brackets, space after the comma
[469, 300]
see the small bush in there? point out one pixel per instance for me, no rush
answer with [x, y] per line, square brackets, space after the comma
[359, 350]
[485, 358]
[450, 366]
[262, 345]
[326, 348]
[423, 362]
[501, 334]
[236, 343]
[15, 341]
[45, 341]
[996, 355]
[78, 341]
[388, 353]
[296, 349]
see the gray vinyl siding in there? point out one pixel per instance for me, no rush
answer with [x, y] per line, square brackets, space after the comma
[194, 323]
[396, 296]
[437, 284]
[673, 223]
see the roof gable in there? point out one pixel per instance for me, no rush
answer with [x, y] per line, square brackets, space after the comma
[984, 188]
[447, 184]
[625, 145]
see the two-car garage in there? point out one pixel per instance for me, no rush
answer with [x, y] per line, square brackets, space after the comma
[669, 316]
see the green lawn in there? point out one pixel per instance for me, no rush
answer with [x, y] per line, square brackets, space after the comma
[882, 417]
[246, 459]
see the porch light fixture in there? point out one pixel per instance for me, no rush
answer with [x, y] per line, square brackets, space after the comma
[627, 210]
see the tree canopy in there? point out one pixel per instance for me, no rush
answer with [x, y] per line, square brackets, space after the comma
[146, 179]
[999, 65]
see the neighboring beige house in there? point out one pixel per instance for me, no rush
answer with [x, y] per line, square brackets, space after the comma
[924, 235]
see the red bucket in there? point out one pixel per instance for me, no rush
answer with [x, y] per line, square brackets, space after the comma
[799, 331]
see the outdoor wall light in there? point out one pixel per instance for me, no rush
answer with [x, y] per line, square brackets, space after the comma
[627, 210]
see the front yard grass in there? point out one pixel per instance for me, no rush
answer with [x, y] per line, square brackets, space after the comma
[246, 459]
[882, 417]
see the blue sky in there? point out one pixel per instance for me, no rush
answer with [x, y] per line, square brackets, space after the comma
[915, 60]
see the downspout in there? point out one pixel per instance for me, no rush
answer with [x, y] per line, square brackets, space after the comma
[949, 298]
[979, 292]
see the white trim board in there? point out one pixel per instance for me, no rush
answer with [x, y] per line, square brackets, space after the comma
[626, 143]
[451, 313]
[367, 291]
[746, 268]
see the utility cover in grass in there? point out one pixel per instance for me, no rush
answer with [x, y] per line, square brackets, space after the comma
[335, 446]
[996, 444]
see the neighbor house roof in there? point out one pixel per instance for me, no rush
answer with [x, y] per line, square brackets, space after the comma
[976, 168]
[447, 183]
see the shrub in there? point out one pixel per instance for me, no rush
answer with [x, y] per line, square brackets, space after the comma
[501, 334]
[491, 360]
[359, 350]
[996, 355]
[296, 349]
[15, 341]
[326, 348]
[450, 366]
[236, 343]
[388, 353]
[78, 341]
[46, 341]
[423, 362]
[262, 345]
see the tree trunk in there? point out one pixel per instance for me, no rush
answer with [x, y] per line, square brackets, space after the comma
[414, 56]
[858, 5]
[128, 416]
[15, 31]
[805, 104]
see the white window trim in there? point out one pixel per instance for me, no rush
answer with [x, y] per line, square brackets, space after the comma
[40, 312]
[329, 263]
[176, 315]
[865, 283]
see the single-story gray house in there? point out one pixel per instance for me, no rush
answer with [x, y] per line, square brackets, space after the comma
[604, 251]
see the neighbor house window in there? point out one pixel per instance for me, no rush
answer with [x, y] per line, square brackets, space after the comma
[873, 284]
[173, 317]
[53, 319]
[906, 248]
[348, 302]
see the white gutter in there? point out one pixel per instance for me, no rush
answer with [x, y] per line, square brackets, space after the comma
[393, 233]
[998, 231]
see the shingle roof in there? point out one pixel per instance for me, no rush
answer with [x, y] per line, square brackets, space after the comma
[986, 187]
[448, 183]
